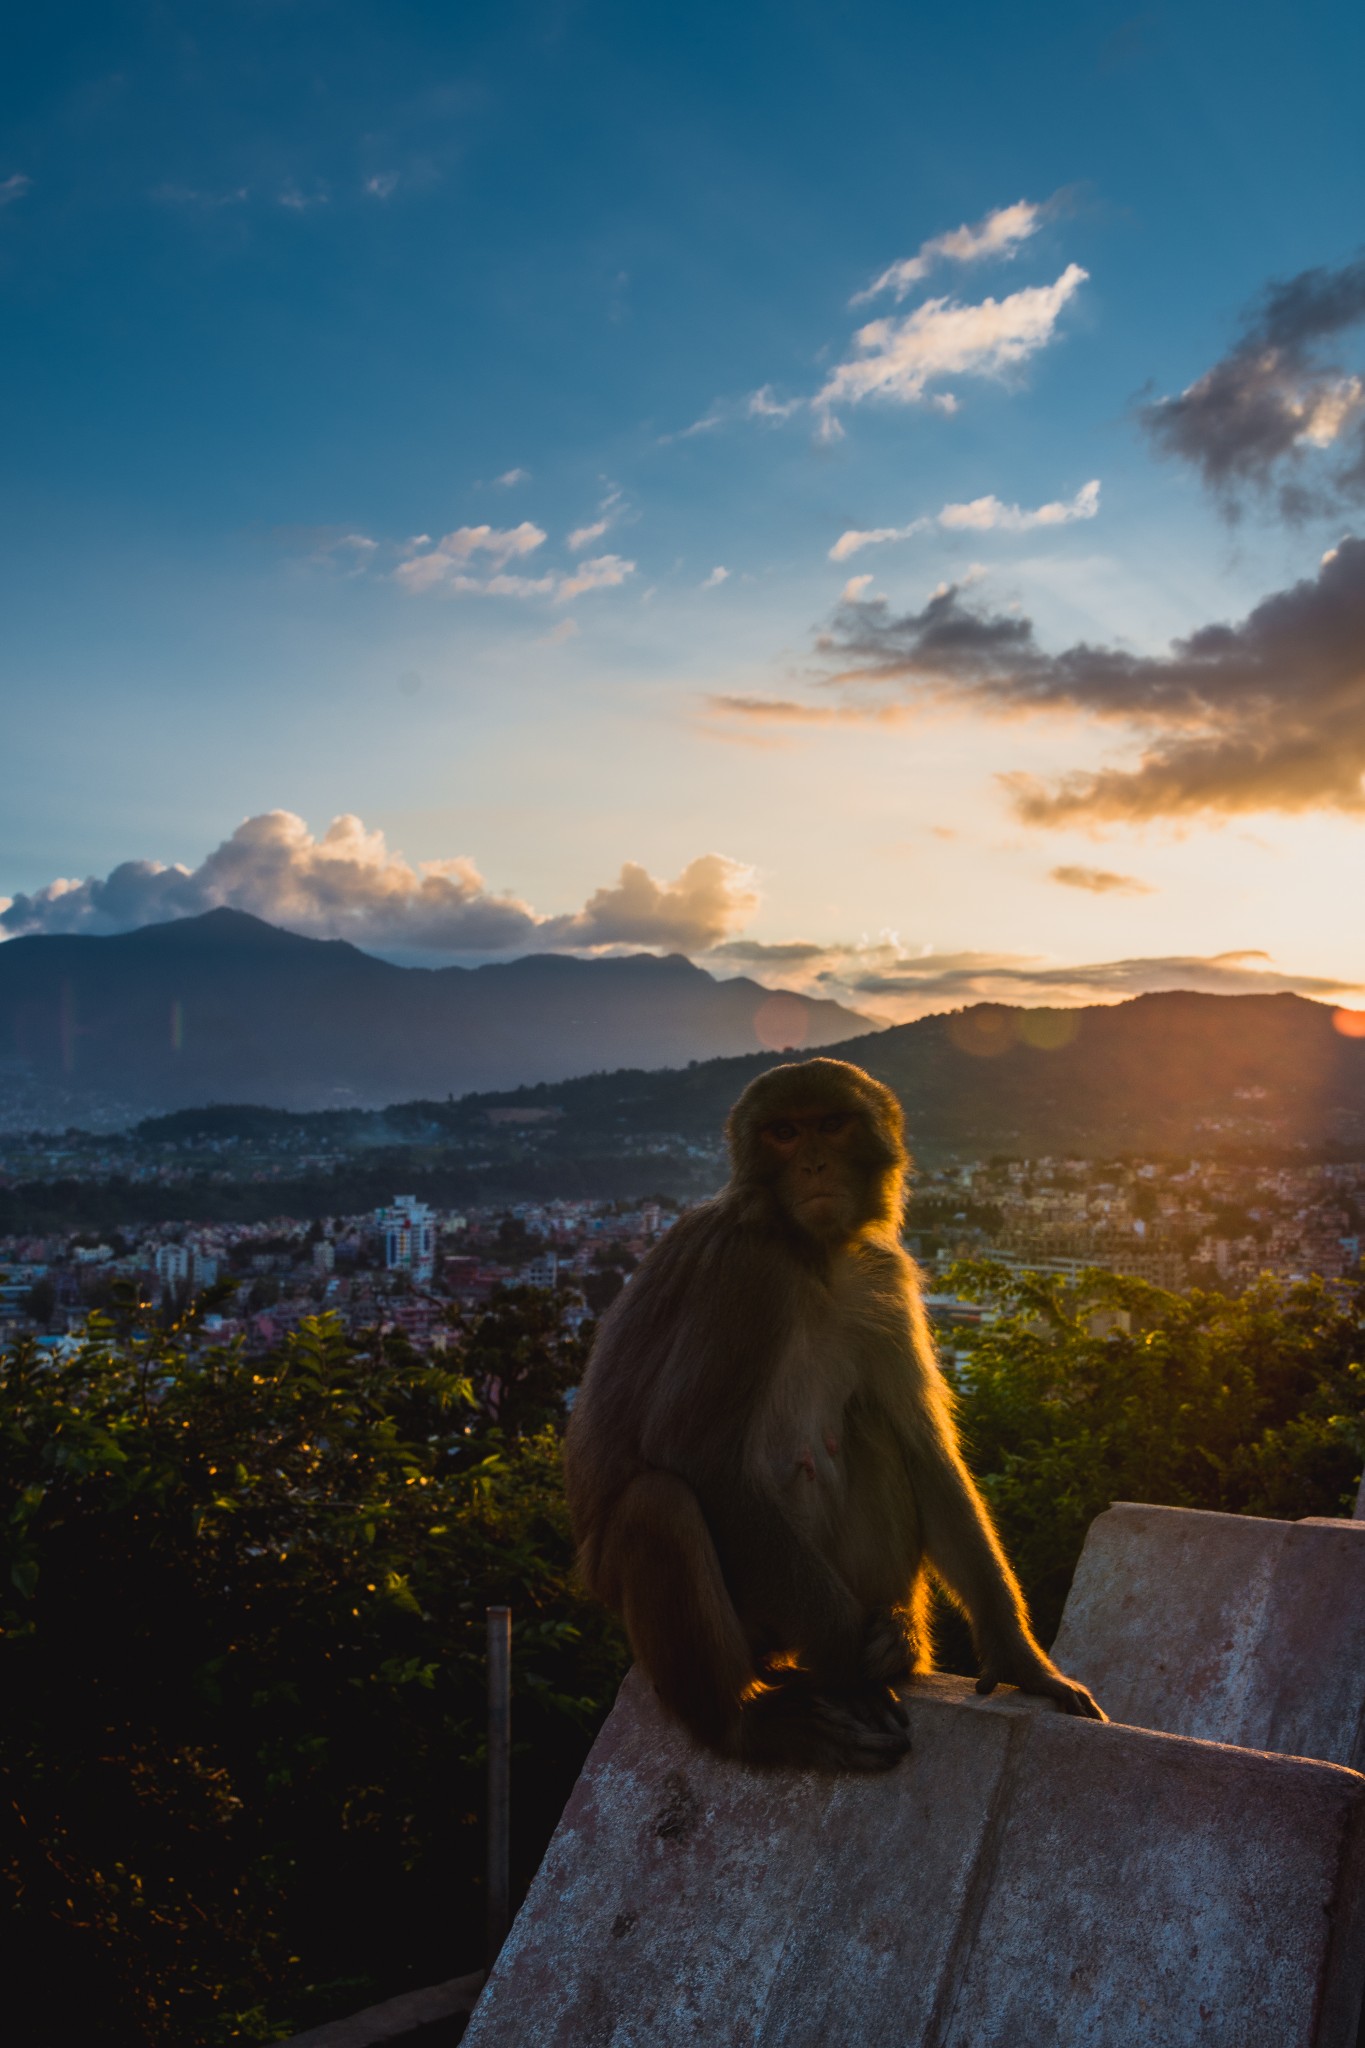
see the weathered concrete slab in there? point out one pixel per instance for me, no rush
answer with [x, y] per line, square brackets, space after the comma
[428, 2018]
[432, 2014]
[1021, 1880]
[1228, 1628]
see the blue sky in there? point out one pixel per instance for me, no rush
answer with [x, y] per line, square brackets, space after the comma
[286, 288]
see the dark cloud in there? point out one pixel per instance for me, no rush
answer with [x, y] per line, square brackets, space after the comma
[757, 953]
[1004, 977]
[1267, 714]
[1277, 399]
[347, 884]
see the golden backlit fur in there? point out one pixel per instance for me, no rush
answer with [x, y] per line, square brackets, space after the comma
[762, 1463]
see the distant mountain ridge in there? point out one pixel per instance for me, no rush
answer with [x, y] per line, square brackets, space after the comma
[1165, 1073]
[225, 1007]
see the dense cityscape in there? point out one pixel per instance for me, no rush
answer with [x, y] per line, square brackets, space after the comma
[411, 1267]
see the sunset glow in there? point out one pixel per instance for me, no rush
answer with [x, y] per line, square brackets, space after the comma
[565, 483]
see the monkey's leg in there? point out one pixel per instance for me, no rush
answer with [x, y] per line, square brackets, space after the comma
[678, 1614]
[832, 1712]
[684, 1630]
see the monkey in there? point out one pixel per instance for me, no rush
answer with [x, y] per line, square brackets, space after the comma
[762, 1464]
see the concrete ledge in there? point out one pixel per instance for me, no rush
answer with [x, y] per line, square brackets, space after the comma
[1228, 1628]
[432, 2015]
[1021, 1879]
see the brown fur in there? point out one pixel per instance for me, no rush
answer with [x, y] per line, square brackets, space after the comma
[762, 1462]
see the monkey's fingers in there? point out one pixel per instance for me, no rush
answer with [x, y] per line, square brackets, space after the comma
[1070, 1695]
[1077, 1700]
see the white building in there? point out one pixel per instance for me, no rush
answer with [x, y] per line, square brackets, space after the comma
[409, 1232]
[543, 1271]
[181, 1265]
[172, 1264]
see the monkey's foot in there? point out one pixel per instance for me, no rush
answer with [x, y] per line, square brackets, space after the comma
[825, 1728]
[888, 1657]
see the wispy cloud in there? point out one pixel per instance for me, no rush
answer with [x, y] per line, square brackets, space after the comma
[897, 359]
[885, 977]
[193, 196]
[511, 477]
[762, 405]
[14, 187]
[584, 536]
[294, 199]
[1101, 882]
[432, 564]
[778, 711]
[348, 884]
[1276, 400]
[1000, 233]
[382, 185]
[718, 576]
[978, 515]
[602, 572]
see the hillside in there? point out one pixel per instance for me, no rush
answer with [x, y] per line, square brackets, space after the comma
[226, 1008]
[1174, 1072]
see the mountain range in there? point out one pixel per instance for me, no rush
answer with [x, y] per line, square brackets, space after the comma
[227, 1008]
[1176, 1072]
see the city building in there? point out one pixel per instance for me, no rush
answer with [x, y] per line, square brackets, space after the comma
[408, 1228]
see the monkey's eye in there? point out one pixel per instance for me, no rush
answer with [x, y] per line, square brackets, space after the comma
[837, 1121]
[784, 1132]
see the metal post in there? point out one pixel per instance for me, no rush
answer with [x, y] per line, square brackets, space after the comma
[499, 1773]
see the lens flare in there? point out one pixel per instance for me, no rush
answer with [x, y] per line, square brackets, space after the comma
[984, 1031]
[781, 1024]
[1048, 1030]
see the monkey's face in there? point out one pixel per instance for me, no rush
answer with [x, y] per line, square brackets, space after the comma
[819, 1172]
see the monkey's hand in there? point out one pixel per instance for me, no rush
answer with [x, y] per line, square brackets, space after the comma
[1024, 1664]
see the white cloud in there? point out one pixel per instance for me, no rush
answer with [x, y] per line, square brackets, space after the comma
[473, 562]
[898, 358]
[718, 576]
[382, 185]
[603, 572]
[979, 515]
[982, 515]
[14, 187]
[347, 884]
[854, 589]
[584, 536]
[352, 552]
[1000, 234]
[856, 538]
[510, 477]
[446, 563]
[763, 406]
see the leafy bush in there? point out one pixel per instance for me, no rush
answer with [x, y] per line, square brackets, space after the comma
[1074, 1397]
[241, 1670]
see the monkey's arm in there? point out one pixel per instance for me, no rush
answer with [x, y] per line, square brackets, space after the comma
[961, 1544]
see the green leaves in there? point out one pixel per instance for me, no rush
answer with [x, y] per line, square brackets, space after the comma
[1111, 1389]
[241, 1654]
